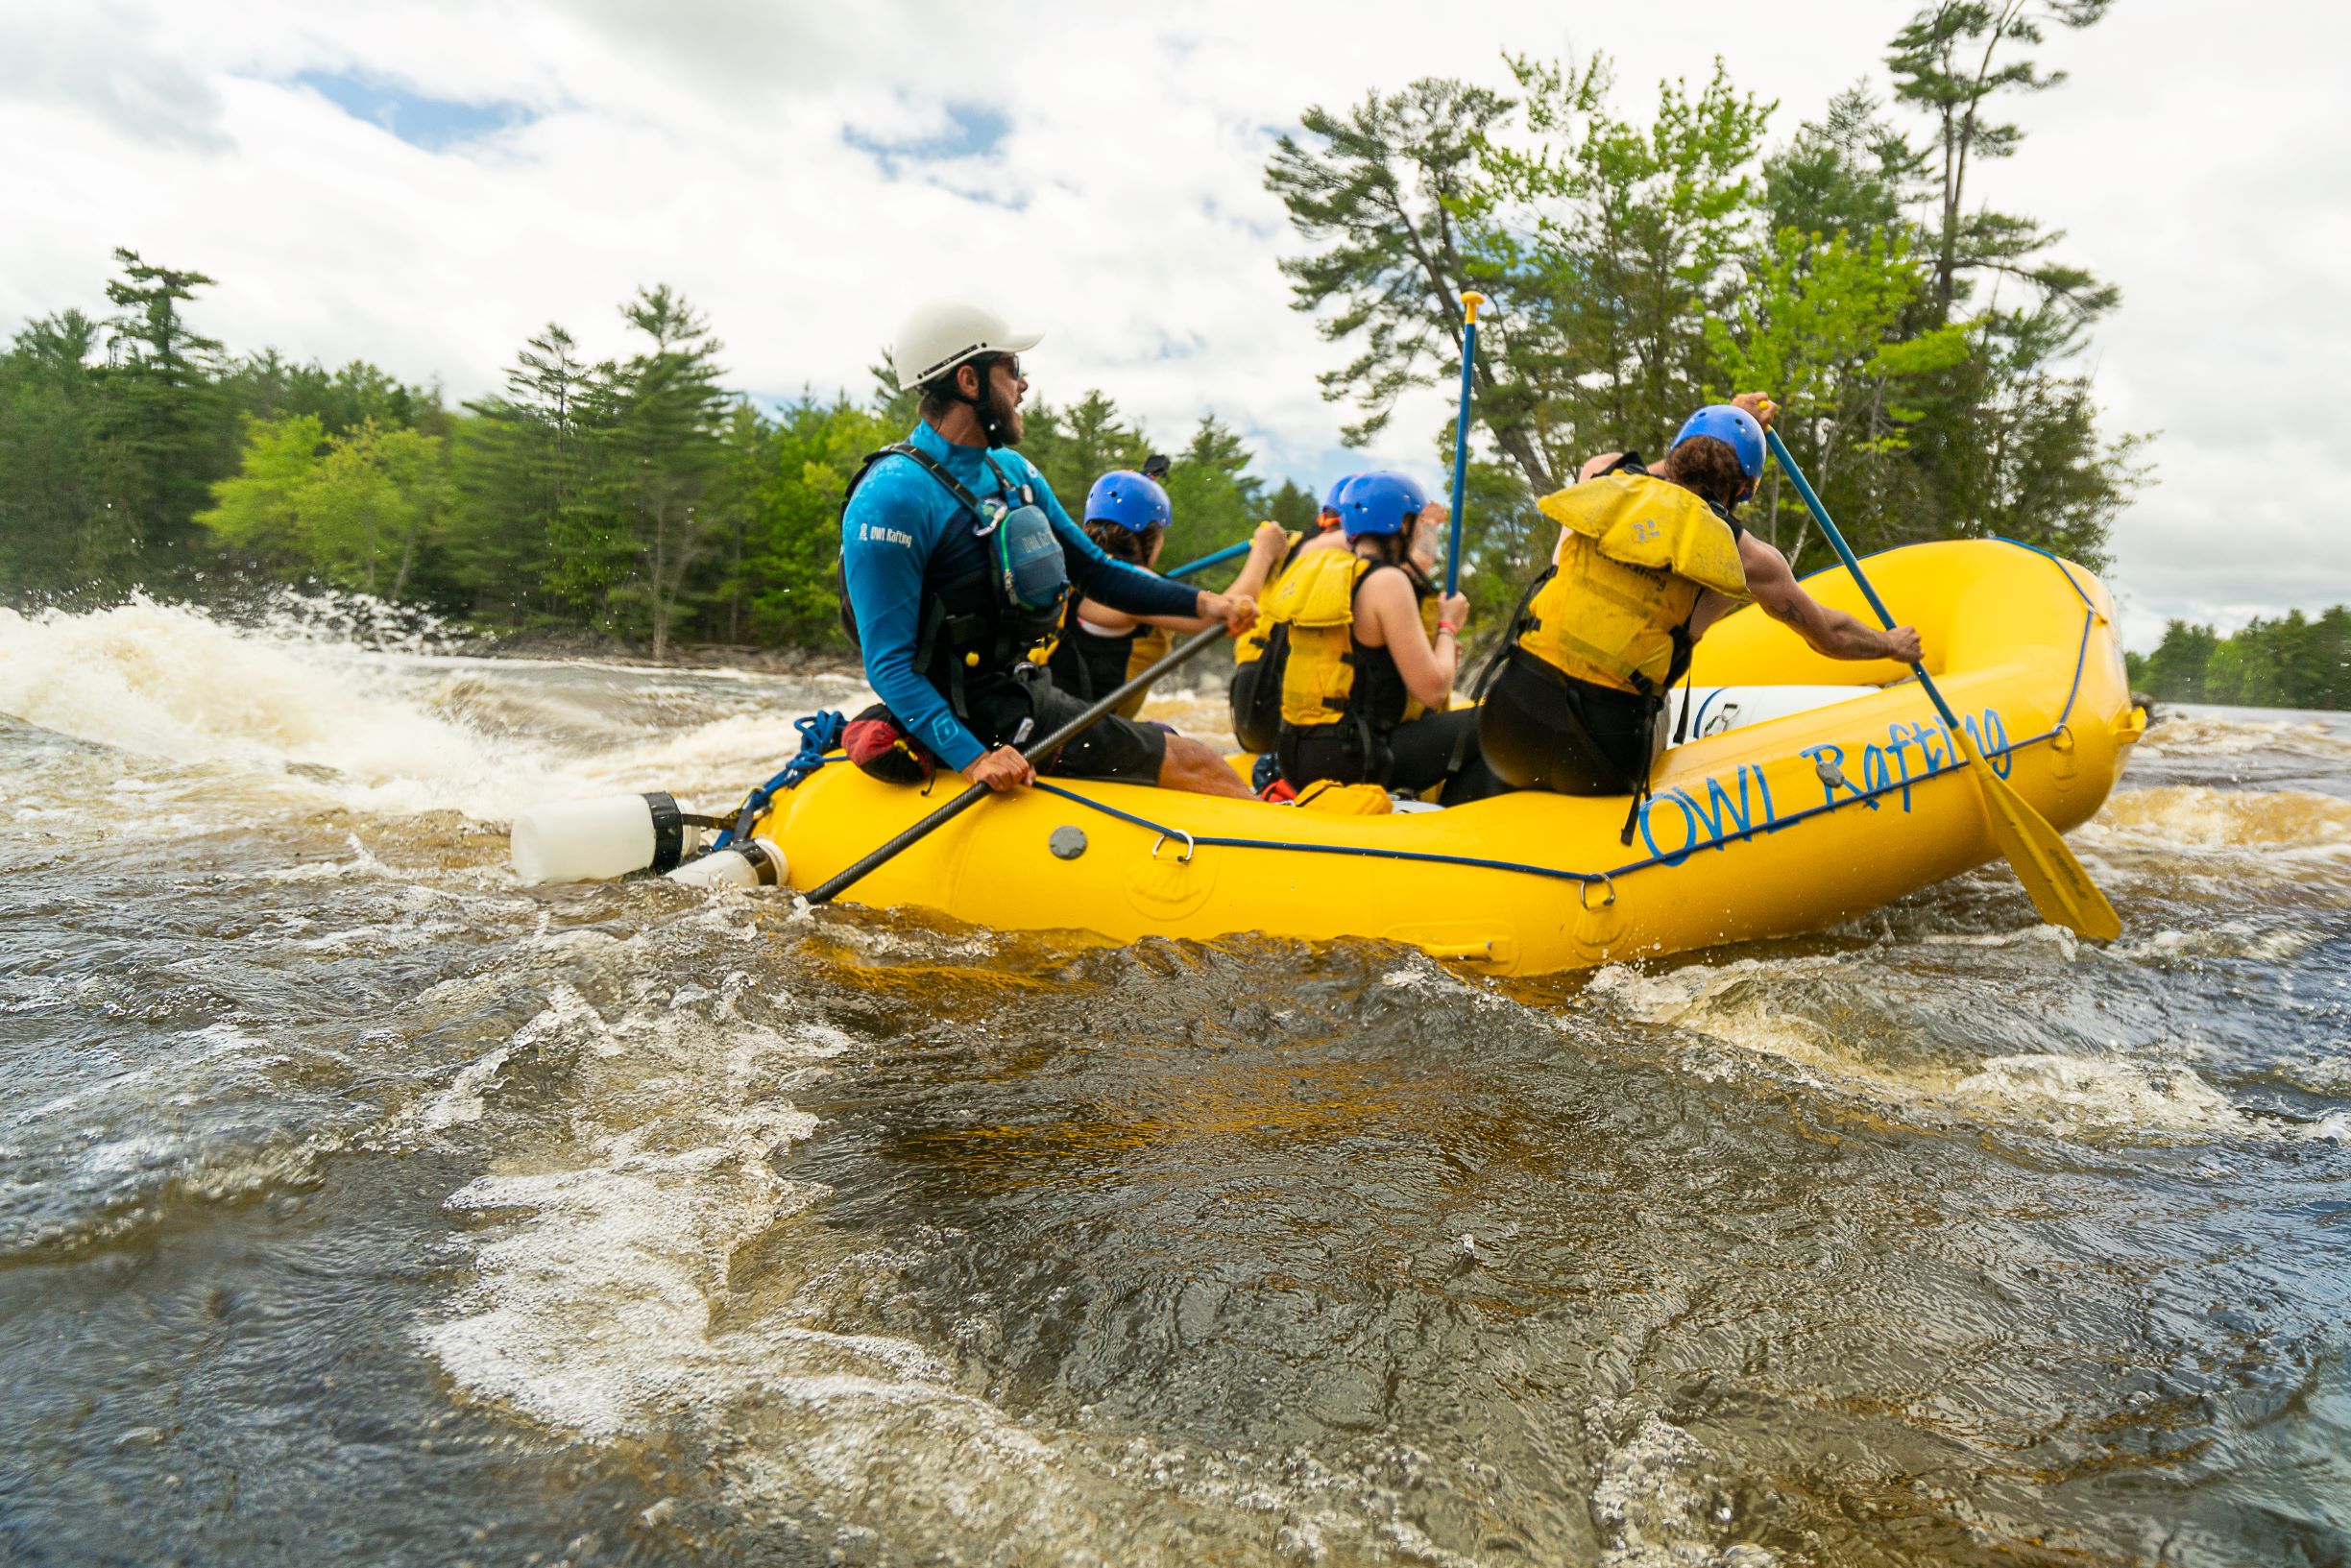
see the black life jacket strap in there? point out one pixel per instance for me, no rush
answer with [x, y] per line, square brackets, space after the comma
[1679, 666]
[937, 470]
[1653, 708]
[1005, 486]
[1521, 621]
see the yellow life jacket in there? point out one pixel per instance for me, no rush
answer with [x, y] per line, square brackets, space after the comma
[1251, 645]
[1614, 608]
[1150, 645]
[1315, 601]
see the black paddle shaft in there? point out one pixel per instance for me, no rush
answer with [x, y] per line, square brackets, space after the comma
[833, 886]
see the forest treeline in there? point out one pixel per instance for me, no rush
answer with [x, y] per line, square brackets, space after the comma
[2296, 660]
[1925, 347]
[635, 497]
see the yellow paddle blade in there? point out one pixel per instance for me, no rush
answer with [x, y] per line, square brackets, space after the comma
[2060, 888]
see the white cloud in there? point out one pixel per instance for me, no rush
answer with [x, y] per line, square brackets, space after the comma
[1123, 209]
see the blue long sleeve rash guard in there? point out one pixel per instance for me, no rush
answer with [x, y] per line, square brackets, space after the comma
[899, 518]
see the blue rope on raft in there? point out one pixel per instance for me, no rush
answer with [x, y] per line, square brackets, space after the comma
[819, 733]
[1859, 797]
[2052, 557]
[1212, 841]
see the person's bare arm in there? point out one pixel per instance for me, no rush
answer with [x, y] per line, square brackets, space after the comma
[1830, 632]
[1427, 671]
[1265, 554]
[1118, 623]
[1267, 548]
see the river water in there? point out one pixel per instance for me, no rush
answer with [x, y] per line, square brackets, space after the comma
[357, 1204]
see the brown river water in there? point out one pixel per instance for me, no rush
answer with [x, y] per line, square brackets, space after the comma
[360, 1205]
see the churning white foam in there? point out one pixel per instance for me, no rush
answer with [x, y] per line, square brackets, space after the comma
[1759, 1007]
[2293, 823]
[174, 683]
[2077, 1096]
[1656, 1504]
[2209, 735]
[318, 708]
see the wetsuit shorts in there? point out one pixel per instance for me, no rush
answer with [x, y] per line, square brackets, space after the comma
[1112, 747]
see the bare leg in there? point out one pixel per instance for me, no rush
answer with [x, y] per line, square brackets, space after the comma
[1193, 765]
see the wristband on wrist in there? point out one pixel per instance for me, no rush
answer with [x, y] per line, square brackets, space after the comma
[1448, 628]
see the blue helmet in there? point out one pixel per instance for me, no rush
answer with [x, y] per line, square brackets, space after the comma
[1334, 500]
[1126, 499]
[1381, 502]
[1736, 429]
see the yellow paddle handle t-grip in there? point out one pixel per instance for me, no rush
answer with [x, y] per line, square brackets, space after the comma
[1470, 301]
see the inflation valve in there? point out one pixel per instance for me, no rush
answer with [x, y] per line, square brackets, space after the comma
[1067, 842]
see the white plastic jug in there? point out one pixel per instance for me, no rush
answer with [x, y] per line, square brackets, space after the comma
[583, 841]
[755, 863]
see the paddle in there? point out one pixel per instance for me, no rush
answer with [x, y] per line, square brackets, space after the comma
[2061, 890]
[1461, 440]
[830, 889]
[1214, 558]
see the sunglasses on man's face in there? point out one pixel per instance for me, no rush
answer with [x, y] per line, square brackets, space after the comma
[1011, 362]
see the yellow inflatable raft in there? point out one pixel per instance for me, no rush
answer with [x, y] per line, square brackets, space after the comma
[1779, 827]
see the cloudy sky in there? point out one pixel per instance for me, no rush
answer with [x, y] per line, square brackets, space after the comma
[425, 185]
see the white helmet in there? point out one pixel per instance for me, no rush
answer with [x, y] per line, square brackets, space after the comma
[941, 335]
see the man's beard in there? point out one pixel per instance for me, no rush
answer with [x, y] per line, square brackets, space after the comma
[1002, 426]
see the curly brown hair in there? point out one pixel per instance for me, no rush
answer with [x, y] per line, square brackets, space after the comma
[1706, 466]
[1121, 543]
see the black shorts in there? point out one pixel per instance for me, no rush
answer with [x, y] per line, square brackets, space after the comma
[1417, 756]
[1120, 749]
[1111, 747]
[1538, 728]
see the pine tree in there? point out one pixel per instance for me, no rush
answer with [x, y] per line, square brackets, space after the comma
[1380, 195]
[166, 435]
[666, 478]
[1947, 63]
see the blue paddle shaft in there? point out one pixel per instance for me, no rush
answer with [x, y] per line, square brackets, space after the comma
[1460, 458]
[1216, 558]
[1836, 543]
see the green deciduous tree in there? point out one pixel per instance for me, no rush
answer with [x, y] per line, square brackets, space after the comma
[1818, 323]
[793, 542]
[356, 510]
[1642, 266]
[1617, 240]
